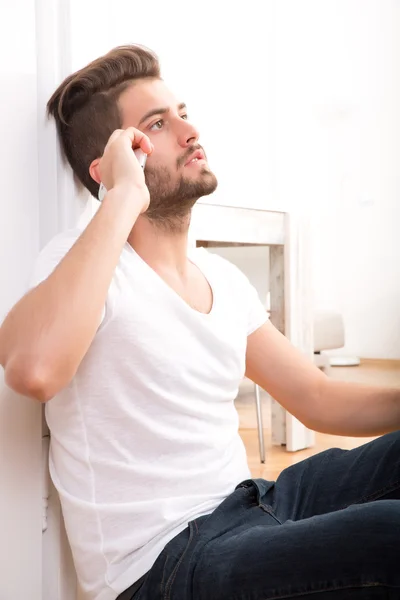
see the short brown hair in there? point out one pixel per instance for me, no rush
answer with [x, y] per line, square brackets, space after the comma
[85, 106]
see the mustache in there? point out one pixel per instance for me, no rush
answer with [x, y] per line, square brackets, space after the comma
[181, 161]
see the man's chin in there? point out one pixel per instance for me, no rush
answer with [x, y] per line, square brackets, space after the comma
[170, 205]
[209, 183]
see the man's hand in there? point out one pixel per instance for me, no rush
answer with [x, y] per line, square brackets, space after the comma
[120, 169]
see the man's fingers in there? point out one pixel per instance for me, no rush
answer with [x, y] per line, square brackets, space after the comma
[139, 139]
[115, 135]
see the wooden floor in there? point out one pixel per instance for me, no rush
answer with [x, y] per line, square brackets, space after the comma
[369, 372]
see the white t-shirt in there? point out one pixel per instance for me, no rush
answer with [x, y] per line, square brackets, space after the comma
[145, 437]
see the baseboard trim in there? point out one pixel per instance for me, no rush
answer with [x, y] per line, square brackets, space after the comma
[381, 362]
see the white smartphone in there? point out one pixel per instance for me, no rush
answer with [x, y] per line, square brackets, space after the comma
[140, 155]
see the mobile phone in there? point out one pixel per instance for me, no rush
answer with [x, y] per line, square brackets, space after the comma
[140, 155]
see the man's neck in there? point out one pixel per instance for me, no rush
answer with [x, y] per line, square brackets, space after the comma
[160, 247]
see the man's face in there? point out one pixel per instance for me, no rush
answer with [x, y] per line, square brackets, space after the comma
[175, 182]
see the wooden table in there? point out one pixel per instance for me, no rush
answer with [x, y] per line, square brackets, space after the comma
[290, 285]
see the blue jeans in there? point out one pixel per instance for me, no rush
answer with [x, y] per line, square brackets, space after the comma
[327, 529]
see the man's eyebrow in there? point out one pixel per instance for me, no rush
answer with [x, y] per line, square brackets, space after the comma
[158, 111]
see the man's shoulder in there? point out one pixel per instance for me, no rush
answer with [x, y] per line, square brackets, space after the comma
[52, 253]
[62, 239]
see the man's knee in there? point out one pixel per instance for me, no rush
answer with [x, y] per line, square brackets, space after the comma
[375, 524]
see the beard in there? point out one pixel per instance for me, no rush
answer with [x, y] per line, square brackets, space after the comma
[171, 202]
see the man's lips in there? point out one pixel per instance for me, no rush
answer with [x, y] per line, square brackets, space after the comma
[198, 155]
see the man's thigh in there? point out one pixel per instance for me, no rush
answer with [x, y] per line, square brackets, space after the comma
[353, 553]
[336, 479]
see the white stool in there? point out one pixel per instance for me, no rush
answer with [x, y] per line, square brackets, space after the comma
[328, 335]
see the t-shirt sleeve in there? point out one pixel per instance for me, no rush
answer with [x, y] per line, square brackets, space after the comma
[51, 255]
[257, 313]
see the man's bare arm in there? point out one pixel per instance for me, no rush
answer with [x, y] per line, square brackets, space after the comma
[47, 333]
[279, 368]
[358, 410]
[322, 404]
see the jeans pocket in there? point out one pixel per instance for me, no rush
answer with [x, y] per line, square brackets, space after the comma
[176, 564]
[164, 578]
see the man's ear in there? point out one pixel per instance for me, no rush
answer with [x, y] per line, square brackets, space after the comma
[94, 170]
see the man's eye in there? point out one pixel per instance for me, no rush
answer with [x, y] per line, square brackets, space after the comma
[160, 122]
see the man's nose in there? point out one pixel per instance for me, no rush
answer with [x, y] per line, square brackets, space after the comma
[188, 134]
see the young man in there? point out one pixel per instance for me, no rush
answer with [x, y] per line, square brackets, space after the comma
[139, 348]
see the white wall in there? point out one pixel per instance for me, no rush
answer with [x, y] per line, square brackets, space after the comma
[20, 419]
[337, 155]
[38, 199]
